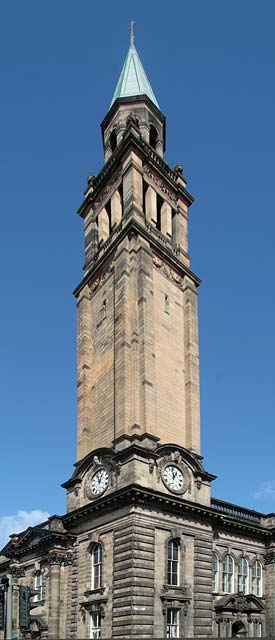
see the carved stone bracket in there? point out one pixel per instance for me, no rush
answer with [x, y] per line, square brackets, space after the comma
[160, 184]
[96, 602]
[178, 598]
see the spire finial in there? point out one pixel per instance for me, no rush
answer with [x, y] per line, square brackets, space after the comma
[132, 35]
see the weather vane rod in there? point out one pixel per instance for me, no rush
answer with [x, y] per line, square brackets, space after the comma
[132, 35]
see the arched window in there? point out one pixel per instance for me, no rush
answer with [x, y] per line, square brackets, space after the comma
[243, 575]
[97, 557]
[173, 563]
[153, 136]
[113, 140]
[228, 574]
[38, 585]
[257, 578]
[215, 572]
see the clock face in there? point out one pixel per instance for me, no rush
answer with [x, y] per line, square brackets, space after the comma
[173, 478]
[100, 481]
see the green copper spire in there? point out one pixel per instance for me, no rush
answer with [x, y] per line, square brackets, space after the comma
[133, 80]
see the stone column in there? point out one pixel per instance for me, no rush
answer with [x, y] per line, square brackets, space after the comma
[55, 561]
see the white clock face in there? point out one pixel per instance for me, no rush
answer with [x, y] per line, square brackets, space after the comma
[173, 478]
[100, 481]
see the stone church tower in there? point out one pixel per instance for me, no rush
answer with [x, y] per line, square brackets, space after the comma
[143, 550]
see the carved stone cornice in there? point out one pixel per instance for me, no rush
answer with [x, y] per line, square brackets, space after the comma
[162, 186]
[169, 273]
[108, 190]
[178, 597]
[101, 277]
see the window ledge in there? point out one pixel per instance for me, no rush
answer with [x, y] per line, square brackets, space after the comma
[94, 592]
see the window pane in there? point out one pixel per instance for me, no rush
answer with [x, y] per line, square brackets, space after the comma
[95, 625]
[173, 563]
[172, 628]
[97, 567]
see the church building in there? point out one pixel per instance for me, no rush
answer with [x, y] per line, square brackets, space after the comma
[143, 550]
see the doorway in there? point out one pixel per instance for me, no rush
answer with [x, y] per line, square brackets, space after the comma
[239, 630]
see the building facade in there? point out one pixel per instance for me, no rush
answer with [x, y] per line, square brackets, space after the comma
[143, 550]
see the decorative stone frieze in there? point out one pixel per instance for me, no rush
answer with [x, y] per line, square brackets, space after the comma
[108, 190]
[99, 279]
[168, 272]
[153, 177]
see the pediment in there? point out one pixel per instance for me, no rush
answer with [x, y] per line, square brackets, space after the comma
[33, 538]
[188, 457]
[83, 466]
[239, 602]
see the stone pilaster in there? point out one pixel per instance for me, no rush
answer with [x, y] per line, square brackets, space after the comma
[203, 585]
[192, 381]
[146, 331]
[270, 592]
[84, 374]
[133, 581]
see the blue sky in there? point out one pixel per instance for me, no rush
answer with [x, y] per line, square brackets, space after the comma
[211, 66]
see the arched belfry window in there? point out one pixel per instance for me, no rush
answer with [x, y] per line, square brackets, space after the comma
[153, 136]
[243, 575]
[173, 563]
[228, 574]
[113, 140]
[97, 561]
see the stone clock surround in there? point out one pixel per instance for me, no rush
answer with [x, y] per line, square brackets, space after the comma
[135, 460]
